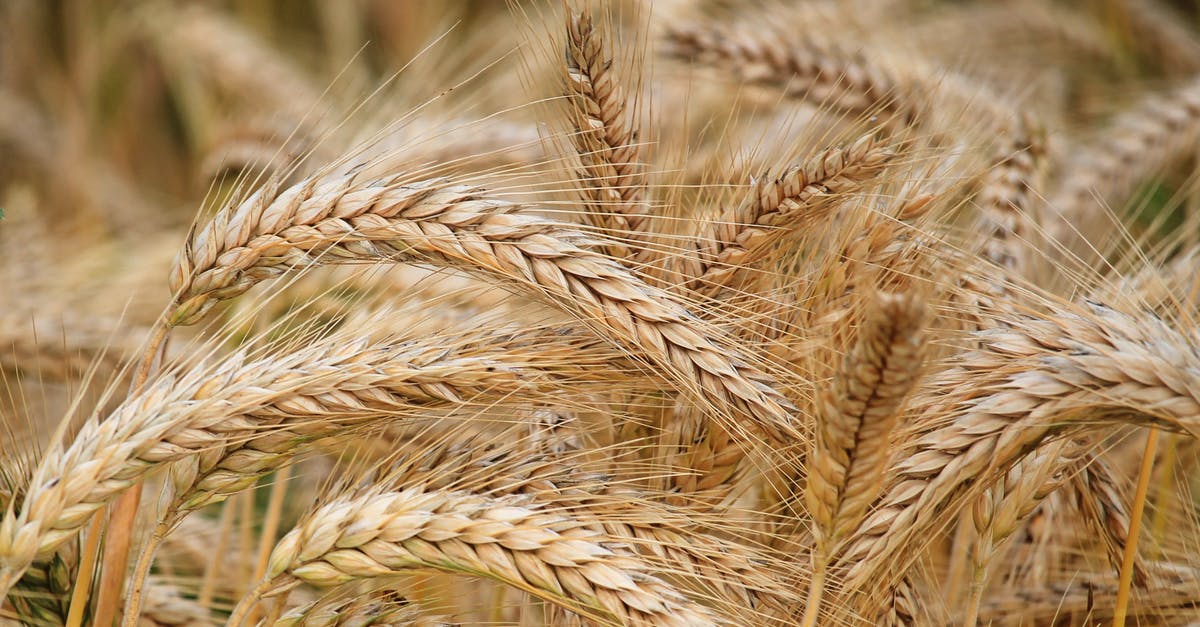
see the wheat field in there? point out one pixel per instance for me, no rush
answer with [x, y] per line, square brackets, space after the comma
[588, 312]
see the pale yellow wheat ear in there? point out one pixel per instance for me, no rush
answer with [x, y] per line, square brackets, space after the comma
[384, 608]
[855, 419]
[812, 70]
[548, 553]
[729, 245]
[1136, 147]
[605, 137]
[281, 400]
[1077, 369]
[339, 218]
[599, 312]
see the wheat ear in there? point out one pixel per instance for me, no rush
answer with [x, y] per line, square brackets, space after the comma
[1160, 130]
[998, 512]
[280, 402]
[384, 608]
[855, 419]
[775, 204]
[1036, 379]
[338, 218]
[512, 540]
[807, 69]
[606, 135]
[725, 570]
[1006, 198]
[43, 595]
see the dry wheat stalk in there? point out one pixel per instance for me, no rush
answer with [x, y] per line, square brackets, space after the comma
[606, 135]
[1033, 380]
[548, 553]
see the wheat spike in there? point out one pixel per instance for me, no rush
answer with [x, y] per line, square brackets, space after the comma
[606, 135]
[1028, 383]
[807, 69]
[327, 219]
[1139, 145]
[279, 402]
[1007, 198]
[856, 416]
[775, 204]
[384, 608]
[510, 539]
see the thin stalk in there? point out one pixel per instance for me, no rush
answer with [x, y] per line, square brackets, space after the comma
[247, 604]
[957, 571]
[1135, 525]
[133, 605]
[246, 540]
[123, 518]
[209, 585]
[816, 590]
[1162, 490]
[271, 525]
[87, 566]
[975, 596]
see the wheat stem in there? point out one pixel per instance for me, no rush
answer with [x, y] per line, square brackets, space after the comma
[1135, 525]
